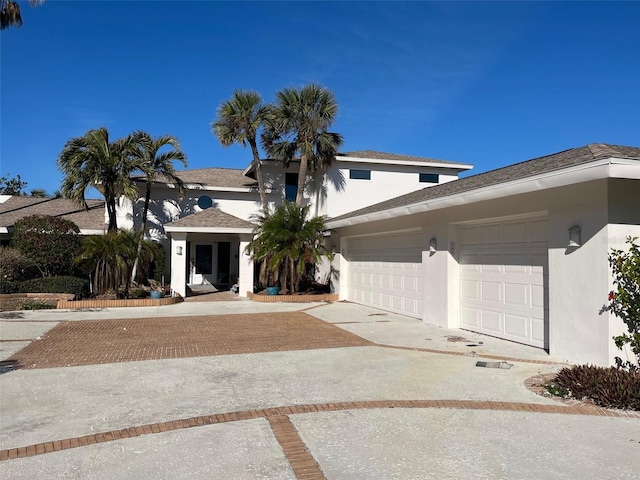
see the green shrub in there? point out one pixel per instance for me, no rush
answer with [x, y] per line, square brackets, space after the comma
[607, 387]
[14, 266]
[138, 293]
[36, 304]
[50, 243]
[9, 286]
[78, 286]
[624, 301]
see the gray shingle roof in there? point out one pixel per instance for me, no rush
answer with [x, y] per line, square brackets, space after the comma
[529, 168]
[16, 208]
[393, 156]
[214, 177]
[211, 217]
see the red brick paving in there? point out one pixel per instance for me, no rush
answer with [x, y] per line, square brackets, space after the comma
[283, 431]
[126, 340]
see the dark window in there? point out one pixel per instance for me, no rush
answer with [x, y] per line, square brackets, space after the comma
[429, 178]
[290, 186]
[360, 174]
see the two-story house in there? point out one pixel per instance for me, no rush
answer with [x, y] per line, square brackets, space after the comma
[207, 230]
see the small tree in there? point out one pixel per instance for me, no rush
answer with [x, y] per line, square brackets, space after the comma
[111, 258]
[624, 301]
[12, 186]
[286, 241]
[49, 242]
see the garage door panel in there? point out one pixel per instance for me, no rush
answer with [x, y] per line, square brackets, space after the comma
[537, 329]
[470, 317]
[503, 280]
[516, 294]
[537, 296]
[491, 321]
[392, 266]
[516, 326]
[470, 289]
[491, 292]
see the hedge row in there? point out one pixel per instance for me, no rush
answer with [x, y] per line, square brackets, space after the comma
[62, 284]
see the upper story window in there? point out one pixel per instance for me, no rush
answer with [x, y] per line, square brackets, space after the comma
[290, 186]
[429, 178]
[360, 174]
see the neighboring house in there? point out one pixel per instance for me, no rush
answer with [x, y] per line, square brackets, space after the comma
[13, 208]
[518, 253]
[209, 227]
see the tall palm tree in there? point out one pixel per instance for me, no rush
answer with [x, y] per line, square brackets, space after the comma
[10, 15]
[94, 161]
[286, 240]
[297, 127]
[156, 165]
[238, 121]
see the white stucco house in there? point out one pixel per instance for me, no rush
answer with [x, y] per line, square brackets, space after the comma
[207, 230]
[518, 253]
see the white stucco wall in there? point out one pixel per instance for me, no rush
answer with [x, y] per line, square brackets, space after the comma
[342, 194]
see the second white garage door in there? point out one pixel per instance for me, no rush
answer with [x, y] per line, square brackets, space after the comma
[503, 280]
[386, 272]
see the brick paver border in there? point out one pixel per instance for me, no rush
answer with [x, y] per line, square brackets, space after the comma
[283, 430]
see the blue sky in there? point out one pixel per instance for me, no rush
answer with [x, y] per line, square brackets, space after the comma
[480, 82]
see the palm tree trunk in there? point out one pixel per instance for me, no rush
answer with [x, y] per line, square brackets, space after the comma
[143, 227]
[111, 212]
[259, 177]
[302, 176]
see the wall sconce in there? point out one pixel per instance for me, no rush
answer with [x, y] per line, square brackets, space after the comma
[433, 246]
[179, 250]
[574, 236]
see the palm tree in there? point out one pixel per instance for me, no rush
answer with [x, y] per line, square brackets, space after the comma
[238, 121]
[297, 127]
[156, 165]
[10, 13]
[111, 258]
[93, 161]
[38, 192]
[286, 241]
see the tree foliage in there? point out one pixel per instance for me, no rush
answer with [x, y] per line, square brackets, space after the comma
[624, 300]
[12, 186]
[49, 242]
[297, 127]
[94, 161]
[14, 265]
[238, 121]
[286, 241]
[10, 15]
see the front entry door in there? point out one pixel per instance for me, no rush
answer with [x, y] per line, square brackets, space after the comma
[202, 267]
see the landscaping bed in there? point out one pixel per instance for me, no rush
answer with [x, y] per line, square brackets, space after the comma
[113, 303]
[295, 298]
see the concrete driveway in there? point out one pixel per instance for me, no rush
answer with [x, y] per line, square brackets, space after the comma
[243, 390]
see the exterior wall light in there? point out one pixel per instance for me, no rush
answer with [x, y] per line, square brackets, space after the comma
[433, 246]
[574, 237]
[179, 250]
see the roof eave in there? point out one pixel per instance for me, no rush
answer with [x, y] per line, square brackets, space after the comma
[176, 229]
[607, 168]
[435, 163]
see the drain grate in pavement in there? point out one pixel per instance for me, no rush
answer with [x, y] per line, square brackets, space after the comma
[503, 365]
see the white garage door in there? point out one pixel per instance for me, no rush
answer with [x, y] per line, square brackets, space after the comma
[386, 272]
[503, 280]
